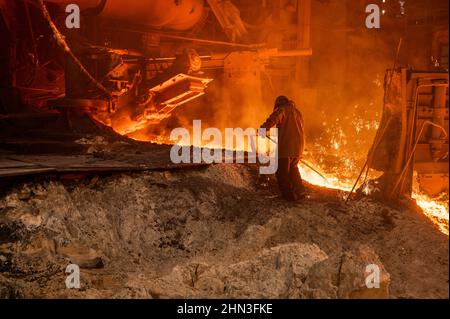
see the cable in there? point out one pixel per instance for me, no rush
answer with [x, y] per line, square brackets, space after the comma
[369, 159]
[63, 44]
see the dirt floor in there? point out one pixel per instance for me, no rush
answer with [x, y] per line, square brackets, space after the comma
[212, 232]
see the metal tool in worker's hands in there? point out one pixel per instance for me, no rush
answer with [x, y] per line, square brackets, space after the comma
[253, 146]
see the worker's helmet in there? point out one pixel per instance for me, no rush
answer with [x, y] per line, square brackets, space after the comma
[281, 100]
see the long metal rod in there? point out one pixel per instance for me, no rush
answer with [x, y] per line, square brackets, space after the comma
[184, 38]
[397, 53]
[205, 41]
[369, 159]
[356, 182]
[302, 161]
[313, 169]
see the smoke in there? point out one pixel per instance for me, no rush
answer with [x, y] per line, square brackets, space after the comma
[341, 98]
[229, 102]
[341, 101]
[346, 75]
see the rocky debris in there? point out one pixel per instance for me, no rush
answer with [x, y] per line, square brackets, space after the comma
[210, 233]
[354, 271]
[27, 219]
[9, 290]
[344, 276]
[80, 255]
[10, 231]
[100, 146]
[285, 271]
[323, 280]
[274, 273]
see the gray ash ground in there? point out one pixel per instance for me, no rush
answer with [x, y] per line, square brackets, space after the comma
[210, 233]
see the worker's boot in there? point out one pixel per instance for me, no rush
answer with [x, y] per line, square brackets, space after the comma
[299, 193]
[289, 196]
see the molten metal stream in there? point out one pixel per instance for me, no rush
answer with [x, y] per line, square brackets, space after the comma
[435, 209]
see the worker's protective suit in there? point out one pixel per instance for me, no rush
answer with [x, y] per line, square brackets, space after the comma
[291, 142]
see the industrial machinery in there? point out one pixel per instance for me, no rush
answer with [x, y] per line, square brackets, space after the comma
[131, 65]
[412, 140]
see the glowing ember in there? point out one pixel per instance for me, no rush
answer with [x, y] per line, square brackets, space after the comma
[435, 209]
[336, 158]
[331, 181]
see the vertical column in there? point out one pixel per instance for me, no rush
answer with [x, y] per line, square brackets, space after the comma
[439, 100]
[304, 40]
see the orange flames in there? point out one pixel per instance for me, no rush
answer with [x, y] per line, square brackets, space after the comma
[435, 209]
[330, 182]
[337, 158]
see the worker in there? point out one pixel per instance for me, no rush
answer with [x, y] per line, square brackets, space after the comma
[291, 142]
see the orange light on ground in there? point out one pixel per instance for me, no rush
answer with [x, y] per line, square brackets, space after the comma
[436, 210]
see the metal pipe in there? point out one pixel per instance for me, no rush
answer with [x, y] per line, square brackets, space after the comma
[172, 15]
[412, 127]
[213, 42]
[437, 143]
[401, 177]
[291, 53]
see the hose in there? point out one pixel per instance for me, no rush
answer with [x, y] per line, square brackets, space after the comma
[63, 44]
